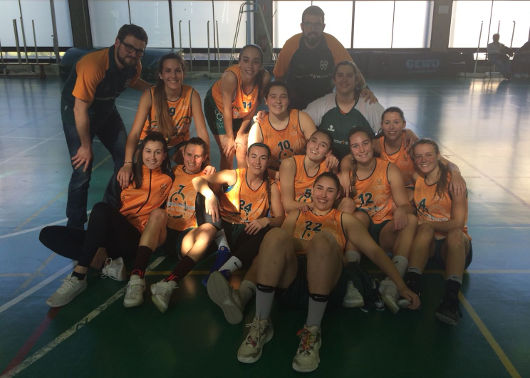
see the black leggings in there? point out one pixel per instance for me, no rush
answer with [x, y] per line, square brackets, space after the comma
[106, 228]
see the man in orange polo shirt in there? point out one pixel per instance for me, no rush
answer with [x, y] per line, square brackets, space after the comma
[88, 109]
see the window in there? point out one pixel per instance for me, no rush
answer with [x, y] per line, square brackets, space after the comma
[153, 16]
[106, 18]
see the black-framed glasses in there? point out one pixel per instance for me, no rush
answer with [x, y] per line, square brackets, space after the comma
[130, 49]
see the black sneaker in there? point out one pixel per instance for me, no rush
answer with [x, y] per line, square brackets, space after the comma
[448, 312]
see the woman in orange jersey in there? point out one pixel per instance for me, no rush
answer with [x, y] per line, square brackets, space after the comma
[284, 130]
[248, 207]
[168, 108]
[442, 231]
[382, 205]
[116, 229]
[232, 101]
[302, 263]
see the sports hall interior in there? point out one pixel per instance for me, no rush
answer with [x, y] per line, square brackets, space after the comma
[426, 57]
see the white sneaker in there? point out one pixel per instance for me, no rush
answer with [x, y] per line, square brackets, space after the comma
[307, 356]
[70, 288]
[389, 294]
[225, 297]
[161, 292]
[114, 269]
[353, 297]
[134, 295]
[260, 333]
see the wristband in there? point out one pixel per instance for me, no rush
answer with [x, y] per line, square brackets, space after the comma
[127, 162]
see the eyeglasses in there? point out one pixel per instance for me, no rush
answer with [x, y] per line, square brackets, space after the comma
[131, 49]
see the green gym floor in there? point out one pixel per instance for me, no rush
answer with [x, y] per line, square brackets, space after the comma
[483, 125]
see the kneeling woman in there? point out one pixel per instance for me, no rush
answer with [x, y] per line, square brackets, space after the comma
[118, 230]
[442, 231]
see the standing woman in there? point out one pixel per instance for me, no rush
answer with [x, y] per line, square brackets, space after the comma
[167, 108]
[117, 230]
[286, 131]
[232, 101]
[442, 231]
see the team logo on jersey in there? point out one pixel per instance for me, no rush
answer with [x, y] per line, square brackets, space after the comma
[323, 65]
[331, 128]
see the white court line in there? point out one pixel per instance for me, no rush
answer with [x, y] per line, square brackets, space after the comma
[32, 229]
[73, 329]
[29, 149]
[127, 107]
[28, 292]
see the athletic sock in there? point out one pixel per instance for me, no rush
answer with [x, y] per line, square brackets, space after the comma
[401, 263]
[232, 264]
[352, 256]
[315, 309]
[143, 254]
[246, 291]
[264, 298]
[183, 267]
[456, 278]
[413, 280]
[79, 276]
[451, 289]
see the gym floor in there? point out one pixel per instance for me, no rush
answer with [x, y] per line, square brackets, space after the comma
[482, 125]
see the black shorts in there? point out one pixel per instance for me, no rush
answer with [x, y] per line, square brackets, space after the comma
[437, 259]
[297, 294]
[214, 117]
[374, 229]
[173, 243]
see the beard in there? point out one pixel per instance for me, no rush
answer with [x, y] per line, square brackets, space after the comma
[312, 39]
[127, 61]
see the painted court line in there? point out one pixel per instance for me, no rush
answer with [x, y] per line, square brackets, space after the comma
[489, 337]
[29, 149]
[36, 273]
[73, 329]
[28, 292]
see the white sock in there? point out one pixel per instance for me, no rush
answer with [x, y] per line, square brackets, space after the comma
[232, 264]
[401, 263]
[352, 256]
[220, 239]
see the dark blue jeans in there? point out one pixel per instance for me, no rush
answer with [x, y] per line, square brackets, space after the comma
[111, 132]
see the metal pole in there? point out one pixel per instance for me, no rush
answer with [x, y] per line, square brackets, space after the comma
[214, 28]
[129, 8]
[16, 40]
[170, 6]
[513, 32]
[35, 40]
[352, 22]
[249, 24]
[54, 28]
[218, 52]
[180, 36]
[208, 34]
[478, 47]
[392, 33]
[1, 54]
[191, 52]
[23, 31]
[489, 26]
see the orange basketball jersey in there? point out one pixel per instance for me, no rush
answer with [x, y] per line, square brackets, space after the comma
[401, 159]
[283, 143]
[181, 201]
[243, 104]
[303, 183]
[308, 224]
[431, 207]
[180, 112]
[240, 204]
[137, 204]
[374, 195]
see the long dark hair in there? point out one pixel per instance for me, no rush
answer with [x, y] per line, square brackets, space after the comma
[442, 184]
[261, 73]
[153, 136]
[165, 123]
[370, 134]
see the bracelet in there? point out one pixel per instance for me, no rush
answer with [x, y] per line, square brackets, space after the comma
[127, 162]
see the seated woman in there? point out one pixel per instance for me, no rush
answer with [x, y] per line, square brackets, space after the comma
[442, 232]
[286, 131]
[248, 207]
[382, 205]
[181, 221]
[232, 101]
[118, 230]
[167, 108]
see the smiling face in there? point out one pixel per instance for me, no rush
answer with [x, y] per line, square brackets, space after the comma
[318, 146]
[361, 147]
[277, 100]
[193, 155]
[129, 51]
[393, 125]
[344, 79]
[250, 62]
[425, 158]
[325, 193]
[153, 154]
[257, 159]
[172, 74]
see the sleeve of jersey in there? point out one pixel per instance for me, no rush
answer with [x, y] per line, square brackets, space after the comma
[284, 58]
[89, 75]
[337, 50]
[373, 115]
